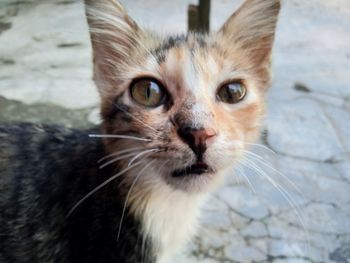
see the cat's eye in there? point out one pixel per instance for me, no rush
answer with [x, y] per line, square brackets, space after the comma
[148, 92]
[232, 92]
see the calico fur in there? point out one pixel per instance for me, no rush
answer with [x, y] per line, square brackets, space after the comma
[145, 214]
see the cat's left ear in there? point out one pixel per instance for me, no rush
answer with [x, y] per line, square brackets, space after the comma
[115, 39]
[252, 28]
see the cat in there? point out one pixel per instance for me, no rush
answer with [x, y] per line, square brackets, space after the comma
[178, 113]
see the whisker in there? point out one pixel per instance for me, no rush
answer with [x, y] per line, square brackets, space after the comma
[247, 179]
[285, 195]
[119, 137]
[142, 153]
[100, 187]
[127, 196]
[264, 162]
[164, 163]
[143, 248]
[117, 159]
[236, 176]
[257, 145]
[284, 192]
[262, 146]
[120, 152]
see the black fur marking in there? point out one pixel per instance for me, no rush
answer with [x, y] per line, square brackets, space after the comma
[168, 104]
[44, 171]
[118, 110]
[176, 41]
[168, 43]
[201, 40]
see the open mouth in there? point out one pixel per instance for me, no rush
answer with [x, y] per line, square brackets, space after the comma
[195, 169]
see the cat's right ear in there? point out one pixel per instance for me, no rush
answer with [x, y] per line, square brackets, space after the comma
[252, 28]
[114, 36]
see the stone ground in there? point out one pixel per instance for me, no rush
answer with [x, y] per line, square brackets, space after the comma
[45, 75]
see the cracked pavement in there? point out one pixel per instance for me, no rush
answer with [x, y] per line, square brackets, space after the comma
[287, 204]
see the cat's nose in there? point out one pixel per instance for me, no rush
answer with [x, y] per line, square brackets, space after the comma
[197, 138]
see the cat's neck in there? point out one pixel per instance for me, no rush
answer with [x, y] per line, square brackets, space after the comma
[169, 217]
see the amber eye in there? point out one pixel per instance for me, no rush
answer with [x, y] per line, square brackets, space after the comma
[147, 92]
[232, 92]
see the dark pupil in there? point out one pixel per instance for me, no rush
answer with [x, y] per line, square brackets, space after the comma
[151, 88]
[228, 93]
[148, 89]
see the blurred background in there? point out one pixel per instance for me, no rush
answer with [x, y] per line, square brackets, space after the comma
[290, 202]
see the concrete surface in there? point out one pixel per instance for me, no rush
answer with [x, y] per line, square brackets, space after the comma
[45, 75]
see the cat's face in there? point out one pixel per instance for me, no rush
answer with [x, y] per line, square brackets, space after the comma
[197, 100]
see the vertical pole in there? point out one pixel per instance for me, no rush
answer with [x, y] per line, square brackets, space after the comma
[199, 17]
[193, 18]
[204, 15]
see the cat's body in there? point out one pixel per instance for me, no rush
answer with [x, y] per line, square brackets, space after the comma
[44, 172]
[177, 113]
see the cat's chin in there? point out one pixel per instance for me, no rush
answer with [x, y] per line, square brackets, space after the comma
[196, 178]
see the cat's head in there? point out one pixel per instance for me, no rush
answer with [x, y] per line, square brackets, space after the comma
[198, 100]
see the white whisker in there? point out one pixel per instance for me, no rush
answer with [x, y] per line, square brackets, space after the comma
[140, 154]
[120, 152]
[261, 160]
[164, 163]
[127, 196]
[247, 179]
[100, 187]
[119, 137]
[117, 159]
[286, 195]
[257, 145]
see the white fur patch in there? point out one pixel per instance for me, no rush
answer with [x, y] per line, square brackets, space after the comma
[169, 217]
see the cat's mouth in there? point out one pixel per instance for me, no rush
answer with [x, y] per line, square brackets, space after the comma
[196, 169]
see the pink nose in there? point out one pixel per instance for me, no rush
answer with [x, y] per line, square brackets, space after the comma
[196, 138]
[201, 136]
